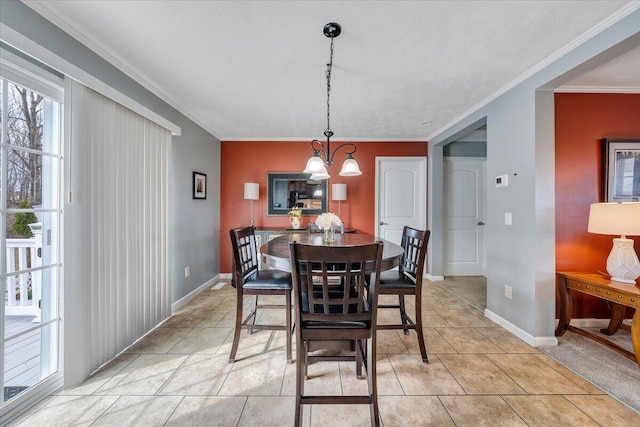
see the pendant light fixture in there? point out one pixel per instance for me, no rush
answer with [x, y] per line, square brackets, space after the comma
[322, 154]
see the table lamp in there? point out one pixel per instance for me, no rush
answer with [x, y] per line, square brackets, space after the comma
[621, 218]
[339, 193]
[251, 192]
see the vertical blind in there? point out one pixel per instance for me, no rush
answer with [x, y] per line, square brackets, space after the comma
[120, 199]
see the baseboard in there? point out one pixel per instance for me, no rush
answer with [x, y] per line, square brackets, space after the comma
[225, 275]
[523, 335]
[191, 295]
[434, 278]
[590, 323]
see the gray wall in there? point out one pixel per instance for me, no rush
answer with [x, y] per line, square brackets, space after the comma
[520, 143]
[195, 223]
[465, 149]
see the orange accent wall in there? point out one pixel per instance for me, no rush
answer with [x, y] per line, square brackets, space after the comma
[250, 161]
[581, 121]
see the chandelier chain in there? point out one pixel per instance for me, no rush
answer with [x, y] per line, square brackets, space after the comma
[328, 74]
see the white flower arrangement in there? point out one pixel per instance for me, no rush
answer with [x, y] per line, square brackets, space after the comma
[326, 220]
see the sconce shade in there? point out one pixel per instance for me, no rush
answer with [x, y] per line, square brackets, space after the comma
[350, 167]
[618, 219]
[615, 218]
[339, 191]
[251, 191]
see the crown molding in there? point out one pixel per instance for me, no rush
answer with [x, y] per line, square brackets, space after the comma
[29, 47]
[616, 17]
[597, 89]
[115, 60]
[307, 140]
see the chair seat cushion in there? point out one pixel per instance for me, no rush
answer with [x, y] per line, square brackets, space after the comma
[312, 324]
[393, 279]
[269, 279]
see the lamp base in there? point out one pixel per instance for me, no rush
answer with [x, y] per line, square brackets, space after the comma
[621, 280]
[623, 264]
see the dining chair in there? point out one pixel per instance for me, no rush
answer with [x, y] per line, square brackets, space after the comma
[407, 280]
[332, 314]
[251, 281]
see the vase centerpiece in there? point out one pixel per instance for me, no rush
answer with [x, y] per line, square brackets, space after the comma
[295, 218]
[328, 222]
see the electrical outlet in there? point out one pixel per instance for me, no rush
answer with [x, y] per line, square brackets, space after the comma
[187, 271]
[507, 292]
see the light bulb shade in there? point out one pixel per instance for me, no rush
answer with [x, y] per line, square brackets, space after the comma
[339, 192]
[319, 176]
[350, 167]
[315, 165]
[615, 218]
[251, 191]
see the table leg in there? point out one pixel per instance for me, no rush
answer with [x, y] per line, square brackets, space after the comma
[635, 334]
[566, 306]
[617, 316]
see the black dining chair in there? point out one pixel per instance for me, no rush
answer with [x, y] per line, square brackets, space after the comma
[407, 280]
[332, 314]
[250, 280]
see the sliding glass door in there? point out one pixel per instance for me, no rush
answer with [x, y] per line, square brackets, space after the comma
[30, 166]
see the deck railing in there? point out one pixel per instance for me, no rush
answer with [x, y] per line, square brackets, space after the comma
[23, 290]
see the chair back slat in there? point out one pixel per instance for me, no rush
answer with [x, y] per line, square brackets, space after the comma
[331, 283]
[414, 243]
[245, 252]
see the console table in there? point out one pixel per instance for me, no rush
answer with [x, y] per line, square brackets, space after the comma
[620, 294]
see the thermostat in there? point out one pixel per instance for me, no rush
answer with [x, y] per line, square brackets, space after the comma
[502, 181]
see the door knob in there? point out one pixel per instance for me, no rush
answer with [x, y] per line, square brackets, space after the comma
[480, 223]
[384, 223]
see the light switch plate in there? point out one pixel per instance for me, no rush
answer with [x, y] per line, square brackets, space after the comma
[508, 219]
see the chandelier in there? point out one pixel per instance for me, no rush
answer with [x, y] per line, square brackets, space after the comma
[322, 154]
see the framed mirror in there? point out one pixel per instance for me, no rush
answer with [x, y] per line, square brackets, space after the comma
[286, 190]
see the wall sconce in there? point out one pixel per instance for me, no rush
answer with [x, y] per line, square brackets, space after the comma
[623, 219]
[339, 193]
[251, 192]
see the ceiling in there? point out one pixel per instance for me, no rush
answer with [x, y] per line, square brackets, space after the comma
[402, 70]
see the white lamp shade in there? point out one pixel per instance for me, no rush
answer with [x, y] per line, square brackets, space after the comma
[350, 168]
[319, 175]
[315, 165]
[251, 191]
[615, 218]
[339, 191]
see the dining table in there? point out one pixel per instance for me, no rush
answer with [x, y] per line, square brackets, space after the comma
[276, 255]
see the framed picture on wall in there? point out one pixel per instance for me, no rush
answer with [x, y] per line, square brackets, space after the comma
[621, 177]
[199, 185]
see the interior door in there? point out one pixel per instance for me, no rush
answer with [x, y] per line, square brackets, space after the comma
[464, 217]
[401, 195]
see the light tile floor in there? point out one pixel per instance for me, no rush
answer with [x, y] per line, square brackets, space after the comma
[479, 374]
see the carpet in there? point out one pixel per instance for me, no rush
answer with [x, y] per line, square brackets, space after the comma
[600, 365]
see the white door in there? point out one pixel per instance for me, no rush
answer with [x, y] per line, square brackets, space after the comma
[401, 195]
[464, 217]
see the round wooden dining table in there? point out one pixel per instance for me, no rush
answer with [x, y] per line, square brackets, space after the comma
[275, 253]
